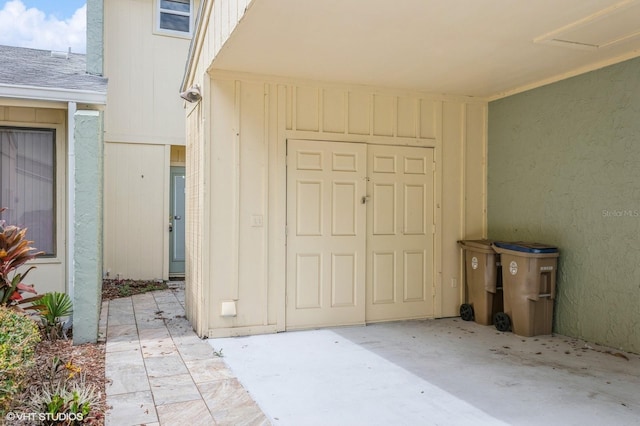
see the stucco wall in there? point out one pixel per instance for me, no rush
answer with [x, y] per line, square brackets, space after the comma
[95, 36]
[563, 169]
[88, 226]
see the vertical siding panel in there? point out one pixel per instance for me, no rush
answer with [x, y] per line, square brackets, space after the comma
[194, 217]
[333, 114]
[223, 192]
[407, 108]
[233, 14]
[217, 28]
[289, 108]
[307, 108]
[383, 115]
[242, 8]
[427, 119]
[224, 20]
[252, 190]
[452, 204]
[359, 113]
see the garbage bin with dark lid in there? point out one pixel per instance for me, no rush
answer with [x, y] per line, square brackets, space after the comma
[483, 282]
[529, 284]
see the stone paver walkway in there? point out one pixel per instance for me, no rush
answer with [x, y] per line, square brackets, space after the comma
[160, 373]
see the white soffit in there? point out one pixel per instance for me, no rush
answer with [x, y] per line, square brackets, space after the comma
[615, 24]
[480, 48]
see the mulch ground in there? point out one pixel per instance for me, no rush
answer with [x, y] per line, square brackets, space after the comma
[89, 358]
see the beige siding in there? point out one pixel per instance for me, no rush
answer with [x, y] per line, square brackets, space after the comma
[144, 70]
[252, 119]
[220, 19]
[144, 134]
[226, 15]
[135, 210]
[195, 225]
[50, 273]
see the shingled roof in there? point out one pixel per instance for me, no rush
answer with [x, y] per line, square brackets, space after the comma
[20, 66]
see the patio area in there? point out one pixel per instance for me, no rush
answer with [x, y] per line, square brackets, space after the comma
[436, 372]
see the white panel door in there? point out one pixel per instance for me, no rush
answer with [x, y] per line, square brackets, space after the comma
[326, 183]
[400, 233]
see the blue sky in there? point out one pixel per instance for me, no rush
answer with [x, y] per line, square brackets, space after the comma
[44, 24]
[61, 9]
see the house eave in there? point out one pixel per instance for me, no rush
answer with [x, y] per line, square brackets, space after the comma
[52, 94]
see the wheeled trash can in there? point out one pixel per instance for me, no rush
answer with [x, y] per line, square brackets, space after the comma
[483, 282]
[529, 284]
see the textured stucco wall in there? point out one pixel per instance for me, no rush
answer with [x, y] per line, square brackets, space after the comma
[564, 169]
[87, 255]
[95, 37]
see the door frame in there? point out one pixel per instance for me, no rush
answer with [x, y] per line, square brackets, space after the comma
[387, 141]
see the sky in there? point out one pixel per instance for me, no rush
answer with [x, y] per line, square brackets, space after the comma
[44, 24]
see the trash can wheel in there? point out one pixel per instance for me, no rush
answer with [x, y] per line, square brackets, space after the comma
[466, 312]
[502, 321]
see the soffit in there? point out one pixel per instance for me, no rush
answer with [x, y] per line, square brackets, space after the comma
[481, 48]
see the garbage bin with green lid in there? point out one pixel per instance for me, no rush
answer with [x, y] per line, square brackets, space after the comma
[483, 282]
[529, 284]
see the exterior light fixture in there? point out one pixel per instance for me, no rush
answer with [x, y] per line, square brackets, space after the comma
[192, 94]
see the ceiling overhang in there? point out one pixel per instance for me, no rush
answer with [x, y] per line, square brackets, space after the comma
[479, 48]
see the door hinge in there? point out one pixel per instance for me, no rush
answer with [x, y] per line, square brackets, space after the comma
[433, 229]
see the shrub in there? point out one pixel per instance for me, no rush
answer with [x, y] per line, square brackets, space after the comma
[53, 307]
[64, 393]
[18, 338]
[15, 251]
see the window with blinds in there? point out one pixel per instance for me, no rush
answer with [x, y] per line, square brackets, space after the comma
[27, 183]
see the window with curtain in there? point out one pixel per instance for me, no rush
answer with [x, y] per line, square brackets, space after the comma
[27, 183]
[175, 15]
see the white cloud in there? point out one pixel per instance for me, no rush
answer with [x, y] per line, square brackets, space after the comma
[31, 27]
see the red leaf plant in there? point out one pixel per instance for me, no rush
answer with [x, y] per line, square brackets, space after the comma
[15, 251]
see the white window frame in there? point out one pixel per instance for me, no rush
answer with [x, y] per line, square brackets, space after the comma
[159, 10]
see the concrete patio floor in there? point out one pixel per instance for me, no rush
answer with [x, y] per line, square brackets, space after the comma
[437, 372]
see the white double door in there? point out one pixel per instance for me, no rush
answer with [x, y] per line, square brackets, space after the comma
[360, 233]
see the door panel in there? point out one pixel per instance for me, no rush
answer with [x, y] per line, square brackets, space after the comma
[400, 274]
[326, 233]
[356, 256]
[177, 221]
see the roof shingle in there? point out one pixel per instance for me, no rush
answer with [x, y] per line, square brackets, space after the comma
[39, 68]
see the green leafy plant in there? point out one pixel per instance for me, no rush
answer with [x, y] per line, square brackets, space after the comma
[52, 308]
[63, 394]
[15, 251]
[19, 336]
[64, 400]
